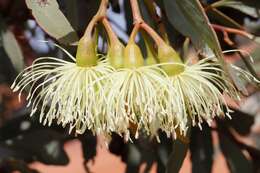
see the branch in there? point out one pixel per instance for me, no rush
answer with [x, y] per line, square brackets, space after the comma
[139, 23]
[101, 13]
[232, 30]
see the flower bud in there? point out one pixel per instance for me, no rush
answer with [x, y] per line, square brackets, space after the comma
[150, 60]
[133, 56]
[150, 53]
[167, 54]
[116, 54]
[86, 52]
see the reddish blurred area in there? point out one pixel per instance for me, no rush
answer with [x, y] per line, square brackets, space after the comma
[105, 162]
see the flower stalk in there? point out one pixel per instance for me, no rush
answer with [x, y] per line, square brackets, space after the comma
[165, 52]
[86, 53]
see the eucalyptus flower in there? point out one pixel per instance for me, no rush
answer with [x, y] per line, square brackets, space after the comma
[67, 92]
[141, 96]
[200, 87]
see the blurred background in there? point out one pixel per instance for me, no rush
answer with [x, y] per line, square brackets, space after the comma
[28, 147]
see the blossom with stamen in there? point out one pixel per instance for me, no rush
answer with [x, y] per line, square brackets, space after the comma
[70, 94]
[141, 96]
[200, 88]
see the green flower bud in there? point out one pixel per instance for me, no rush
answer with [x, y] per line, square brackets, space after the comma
[167, 54]
[133, 56]
[116, 54]
[86, 53]
[150, 60]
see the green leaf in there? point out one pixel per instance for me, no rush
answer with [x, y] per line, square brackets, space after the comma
[236, 160]
[251, 3]
[238, 117]
[13, 50]
[52, 20]
[177, 156]
[201, 148]
[223, 19]
[239, 5]
[189, 18]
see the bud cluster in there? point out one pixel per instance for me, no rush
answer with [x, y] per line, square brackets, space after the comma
[122, 91]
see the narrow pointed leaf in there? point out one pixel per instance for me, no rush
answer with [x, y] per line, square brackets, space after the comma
[177, 156]
[189, 18]
[240, 6]
[236, 160]
[52, 20]
[201, 149]
[13, 50]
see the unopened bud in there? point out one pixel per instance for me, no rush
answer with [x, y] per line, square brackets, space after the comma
[133, 56]
[116, 54]
[166, 54]
[86, 53]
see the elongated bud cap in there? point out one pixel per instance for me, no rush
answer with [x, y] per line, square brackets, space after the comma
[86, 53]
[150, 57]
[133, 56]
[116, 54]
[166, 54]
[150, 60]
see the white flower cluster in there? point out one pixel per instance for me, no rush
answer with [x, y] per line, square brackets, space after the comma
[105, 100]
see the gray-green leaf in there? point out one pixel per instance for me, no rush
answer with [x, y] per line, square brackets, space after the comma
[189, 18]
[52, 20]
[239, 5]
[13, 50]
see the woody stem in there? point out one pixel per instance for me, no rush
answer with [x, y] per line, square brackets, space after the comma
[139, 23]
[101, 13]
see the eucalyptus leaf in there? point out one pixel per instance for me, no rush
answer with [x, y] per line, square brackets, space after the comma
[222, 18]
[239, 5]
[52, 20]
[177, 156]
[13, 50]
[47, 146]
[189, 18]
[238, 117]
[14, 165]
[201, 149]
[236, 160]
[251, 3]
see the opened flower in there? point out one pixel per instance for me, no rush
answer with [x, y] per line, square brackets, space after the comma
[200, 86]
[69, 92]
[141, 96]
